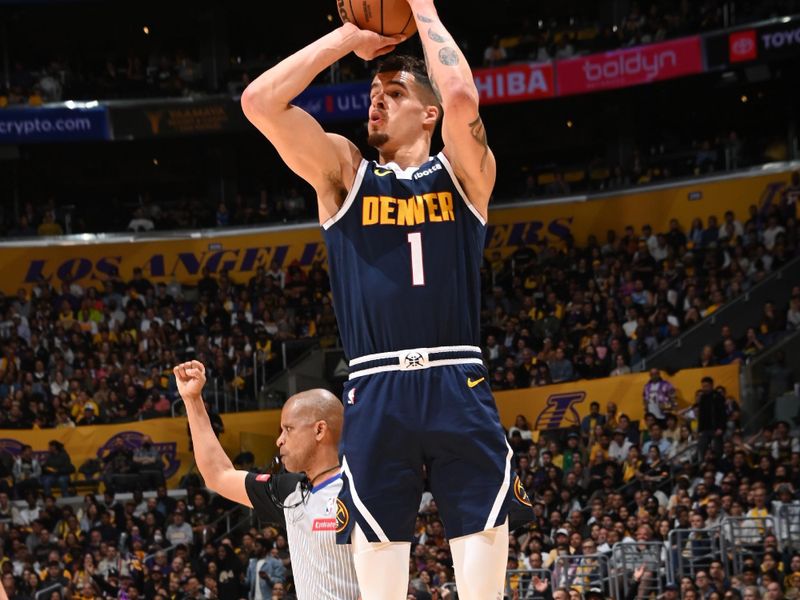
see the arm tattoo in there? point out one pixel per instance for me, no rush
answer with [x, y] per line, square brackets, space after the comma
[424, 19]
[479, 134]
[448, 56]
[439, 39]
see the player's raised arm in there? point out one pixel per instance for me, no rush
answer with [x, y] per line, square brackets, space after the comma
[326, 161]
[466, 145]
[216, 468]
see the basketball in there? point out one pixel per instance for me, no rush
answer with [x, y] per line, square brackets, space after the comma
[387, 17]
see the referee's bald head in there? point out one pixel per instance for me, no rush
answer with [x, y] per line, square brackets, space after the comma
[318, 405]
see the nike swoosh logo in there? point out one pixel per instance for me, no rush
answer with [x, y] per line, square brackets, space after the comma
[472, 384]
[382, 172]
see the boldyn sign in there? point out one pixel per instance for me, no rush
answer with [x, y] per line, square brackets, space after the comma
[630, 66]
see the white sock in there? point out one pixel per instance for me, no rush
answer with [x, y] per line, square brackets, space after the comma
[480, 561]
[382, 567]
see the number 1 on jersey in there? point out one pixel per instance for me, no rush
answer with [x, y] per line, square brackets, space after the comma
[417, 266]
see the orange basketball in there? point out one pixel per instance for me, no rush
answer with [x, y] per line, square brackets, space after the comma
[387, 17]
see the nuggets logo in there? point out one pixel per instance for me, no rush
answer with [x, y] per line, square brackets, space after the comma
[342, 516]
[560, 411]
[520, 493]
[414, 360]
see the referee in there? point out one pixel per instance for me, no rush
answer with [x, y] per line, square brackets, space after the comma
[311, 423]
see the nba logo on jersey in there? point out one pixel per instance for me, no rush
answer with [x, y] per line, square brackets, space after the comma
[351, 396]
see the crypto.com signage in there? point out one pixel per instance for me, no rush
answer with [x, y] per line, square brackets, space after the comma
[630, 66]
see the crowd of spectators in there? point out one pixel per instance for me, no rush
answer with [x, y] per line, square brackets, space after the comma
[612, 480]
[589, 312]
[548, 39]
[131, 76]
[73, 356]
[549, 315]
[77, 356]
[651, 164]
[172, 72]
[54, 217]
[157, 547]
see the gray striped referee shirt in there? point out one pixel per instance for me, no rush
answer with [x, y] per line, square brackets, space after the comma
[322, 569]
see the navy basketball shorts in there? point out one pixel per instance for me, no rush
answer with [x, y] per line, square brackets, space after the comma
[440, 422]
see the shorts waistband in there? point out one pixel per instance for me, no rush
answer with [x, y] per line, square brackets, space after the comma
[415, 359]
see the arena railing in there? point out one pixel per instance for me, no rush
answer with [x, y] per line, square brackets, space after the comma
[743, 537]
[627, 557]
[522, 582]
[49, 590]
[584, 572]
[788, 526]
[692, 550]
[760, 389]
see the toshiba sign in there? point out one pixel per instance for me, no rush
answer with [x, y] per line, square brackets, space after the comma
[515, 83]
[631, 66]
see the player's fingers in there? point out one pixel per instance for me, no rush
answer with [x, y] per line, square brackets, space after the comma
[383, 51]
[196, 364]
[395, 39]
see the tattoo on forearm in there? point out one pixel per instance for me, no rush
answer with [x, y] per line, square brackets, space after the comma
[439, 39]
[448, 56]
[424, 19]
[479, 134]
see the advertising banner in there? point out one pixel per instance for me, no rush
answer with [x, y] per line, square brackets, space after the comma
[255, 432]
[762, 42]
[515, 83]
[35, 125]
[174, 118]
[184, 257]
[329, 103]
[630, 66]
[564, 405]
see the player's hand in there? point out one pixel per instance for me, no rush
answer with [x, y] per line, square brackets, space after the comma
[369, 45]
[190, 377]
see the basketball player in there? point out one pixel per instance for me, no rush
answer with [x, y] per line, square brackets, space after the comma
[311, 423]
[405, 237]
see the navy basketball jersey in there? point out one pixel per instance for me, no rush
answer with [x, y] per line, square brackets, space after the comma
[404, 253]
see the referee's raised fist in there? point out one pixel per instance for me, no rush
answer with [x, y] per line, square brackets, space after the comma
[190, 377]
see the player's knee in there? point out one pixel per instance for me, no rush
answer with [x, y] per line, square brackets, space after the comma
[481, 563]
[382, 568]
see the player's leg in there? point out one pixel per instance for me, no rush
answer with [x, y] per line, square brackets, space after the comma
[382, 477]
[480, 561]
[382, 568]
[471, 479]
